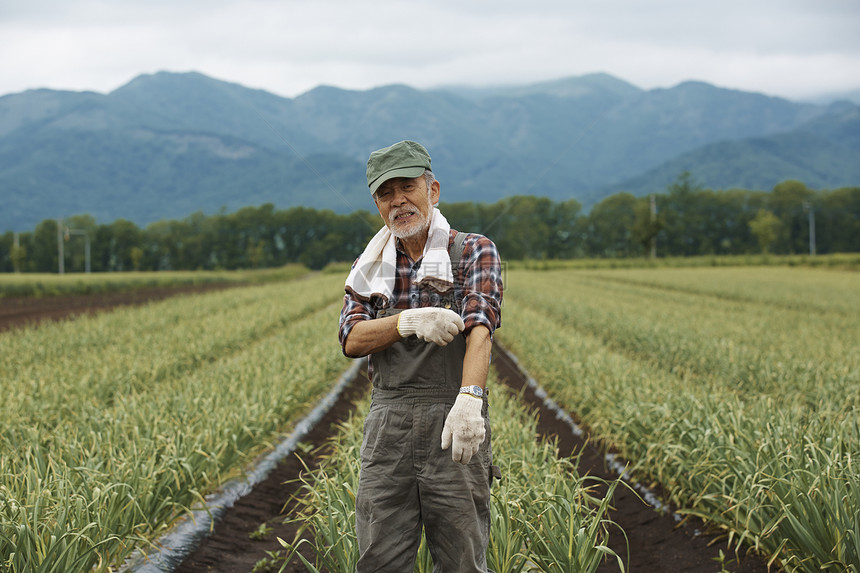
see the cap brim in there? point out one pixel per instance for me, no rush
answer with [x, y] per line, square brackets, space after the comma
[409, 172]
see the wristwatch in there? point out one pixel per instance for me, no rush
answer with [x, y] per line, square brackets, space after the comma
[473, 390]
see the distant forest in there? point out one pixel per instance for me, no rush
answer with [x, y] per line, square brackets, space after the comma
[685, 221]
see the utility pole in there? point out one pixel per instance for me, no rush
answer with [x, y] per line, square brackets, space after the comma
[653, 226]
[807, 206]
[60, 245]
[86, 245]
[16, 259]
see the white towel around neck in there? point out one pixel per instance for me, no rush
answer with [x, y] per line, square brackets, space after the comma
[375, 271]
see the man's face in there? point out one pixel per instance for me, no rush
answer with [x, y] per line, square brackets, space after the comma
[405, 205]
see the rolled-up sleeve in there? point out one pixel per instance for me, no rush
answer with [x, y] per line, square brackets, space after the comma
[354, 310]
[482, 283]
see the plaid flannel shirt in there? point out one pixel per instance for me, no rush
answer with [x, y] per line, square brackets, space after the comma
[480, 273]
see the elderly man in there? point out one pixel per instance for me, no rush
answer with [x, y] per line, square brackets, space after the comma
[423, 300]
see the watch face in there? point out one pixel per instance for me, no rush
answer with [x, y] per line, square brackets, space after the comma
[473, 390]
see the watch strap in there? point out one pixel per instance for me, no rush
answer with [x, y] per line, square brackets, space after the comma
[472, 390]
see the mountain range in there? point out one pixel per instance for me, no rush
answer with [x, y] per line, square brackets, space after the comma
[168, 144]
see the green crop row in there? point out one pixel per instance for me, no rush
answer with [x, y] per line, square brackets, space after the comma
[804, 290]
[115, 425]
[830, 261]
[722, 385]
[544, 516]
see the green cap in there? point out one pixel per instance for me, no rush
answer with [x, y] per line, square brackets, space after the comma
[403, 159]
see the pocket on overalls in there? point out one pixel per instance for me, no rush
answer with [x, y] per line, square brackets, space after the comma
[373, 439]
[495, 472]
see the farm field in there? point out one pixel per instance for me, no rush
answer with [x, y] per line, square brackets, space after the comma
[735, 389]
[115, 424]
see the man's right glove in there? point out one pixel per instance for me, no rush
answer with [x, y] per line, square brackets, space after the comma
[431, 324]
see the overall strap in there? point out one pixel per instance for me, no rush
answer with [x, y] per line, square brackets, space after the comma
[455, 253]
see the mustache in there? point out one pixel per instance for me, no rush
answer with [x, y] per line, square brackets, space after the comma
[401, 211]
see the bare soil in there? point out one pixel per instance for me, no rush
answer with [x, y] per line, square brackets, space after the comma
[22, 311]
[657, 543]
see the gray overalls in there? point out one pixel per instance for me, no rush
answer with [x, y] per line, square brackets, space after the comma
[406, 479]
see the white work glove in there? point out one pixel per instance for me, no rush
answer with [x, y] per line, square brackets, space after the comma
[464, 426]
[431, 324]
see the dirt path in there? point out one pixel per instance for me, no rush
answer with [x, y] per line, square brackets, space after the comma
[657, 543]
[21, 311]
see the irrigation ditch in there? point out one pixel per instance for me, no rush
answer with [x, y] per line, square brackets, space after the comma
[220, 539]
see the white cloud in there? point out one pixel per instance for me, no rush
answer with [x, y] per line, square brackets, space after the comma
[793, 48]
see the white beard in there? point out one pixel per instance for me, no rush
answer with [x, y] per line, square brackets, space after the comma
[415, 227]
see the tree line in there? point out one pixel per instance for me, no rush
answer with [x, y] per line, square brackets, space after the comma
[686, 220]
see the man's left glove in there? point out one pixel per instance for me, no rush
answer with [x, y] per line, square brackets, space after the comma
[464, 427]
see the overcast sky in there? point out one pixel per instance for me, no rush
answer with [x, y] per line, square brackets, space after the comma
[790, 48]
